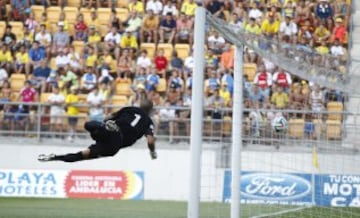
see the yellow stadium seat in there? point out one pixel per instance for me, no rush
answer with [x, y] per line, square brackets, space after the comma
[71, 14]
[183, 50]
[53, 14]
[119, 100]
[168, 49]
[17, 81]
[123, 89]
[103, 29]
[337, 107]
[122, 3]
[333, 129]
[162, 85]
[17, 28]
[104, 15]
[2, 27]
[74, 3]
[150, 48]
[86, 12]
[44, 97]
[250, 71]
[79, 46]
[296, 128]
[122, 14]
[38, 10]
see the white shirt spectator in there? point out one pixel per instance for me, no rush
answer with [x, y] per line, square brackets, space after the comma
[88, 81]
[269, 66]
[62, 60]
[170, 9]
[95, 99]
[44, 39]
[105, 74]
[288, 77]
[216, 41]
[3, 76]
[255, 13]
[56, 109]
[114, 38]
[74, 60]
[143, 62]
[189, 62]
[269, 79]
[337, 50]
[154, 5]
[288, 29]
[167, 113]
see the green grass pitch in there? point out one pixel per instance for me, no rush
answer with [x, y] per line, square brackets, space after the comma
[86, 208]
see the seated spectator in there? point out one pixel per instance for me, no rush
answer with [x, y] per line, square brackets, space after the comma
[125, 65]
[36, 54]
[270, 26]
[225, 94]
[140, 77]
[211, 59]
[302, 13]
[61, 38]
[140, 94]
[152, 81]
[26, 39]
[9, 38]
[184, 30]
[64, 21]
[321, 33]
[27, 95]
[68, 78]
[105, 77]
[3, 10]
[88, 80]
[166, 119]
[216, 43]
[57, 112]
[324, 10]
[215, 103]
[288, 28]
[189, 62]
[253, 27]
[134, 23]
[188, 8]
[71, 101]
[167, 29]
[143, 61]
[149, 29]
[5, 57]
[106, 61]
[339, 31]
[342, 9]
[62, 59]
[176, 81]
[22, 61]
[254, 12]
[228, 79]
[52, 80]
[288, 10]
[161, 62]
[264, 81]
[173, 95]
[316, 99]
[236, 21]
[19, 10]
[155, 5]
[43, 37]
[306, 33]
[74, 57]
[175, 61]
[212, 83]
[282, 79]
[297, 101]
[136, 5]
[112, 41]
[115, 21]
[94, 20]
[4, 76]
[94, 37]
[91, 58]
[128, 40]
[279, 98]
[227, 57]
[216, 8]
[170, 7]
[80, 28]
[40, 75]
[96, 100]
[45, 21]
[339, 53]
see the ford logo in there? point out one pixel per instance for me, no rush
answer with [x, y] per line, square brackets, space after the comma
[266, 186]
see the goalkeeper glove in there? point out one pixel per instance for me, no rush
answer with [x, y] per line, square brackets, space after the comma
[111, 126]
[153, 155]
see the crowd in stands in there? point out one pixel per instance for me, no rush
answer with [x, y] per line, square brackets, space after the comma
[118, 52]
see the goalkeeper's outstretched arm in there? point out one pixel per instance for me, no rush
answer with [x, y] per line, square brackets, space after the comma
[151, 146]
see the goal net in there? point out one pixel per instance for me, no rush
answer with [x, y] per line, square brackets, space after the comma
[298, 162]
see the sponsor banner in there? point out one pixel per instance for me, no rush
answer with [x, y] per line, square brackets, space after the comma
[271, 188]
[72, 184]
[32, 183]
[105, 184]
[337, 190]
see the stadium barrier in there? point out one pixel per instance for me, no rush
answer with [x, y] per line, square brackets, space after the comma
[173, 123]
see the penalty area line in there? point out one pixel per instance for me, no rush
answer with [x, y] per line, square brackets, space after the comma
[281, 212]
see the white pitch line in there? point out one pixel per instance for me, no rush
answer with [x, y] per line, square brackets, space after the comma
[281, 212]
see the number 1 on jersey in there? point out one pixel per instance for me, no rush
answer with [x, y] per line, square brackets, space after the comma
[136, 120]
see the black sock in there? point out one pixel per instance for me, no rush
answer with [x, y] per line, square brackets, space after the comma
[70, 157]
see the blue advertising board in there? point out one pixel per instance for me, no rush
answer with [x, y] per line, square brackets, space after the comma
[296, 189]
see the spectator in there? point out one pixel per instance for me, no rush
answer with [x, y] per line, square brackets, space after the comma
[215, 102]
[74, 57]
[225, 94]
[264, 80]
[167, 116]
[282, 79]
[339, 32]
[338, 52]
[279, 98]
[288, 28]
[173, 95]
[22, 61]
[80, 28]
[176, 81]
[152, 81]
[114, 20]
[254, 12]
[136, 5]
[61, 38]
[189, 62]
[112, 40]
[94, 37]
[321, 33]
[52, 80]
[149, 29]
[57, 100]
[96, 100]
[154, 5]
[88, 80]
[62, 59]
[161, 62]
[227, 57]
[228, 79]
[94, 20]
[6, 96]
[72, 111]
[106, 61]
[143, 60]
[216, 8]
[167, 29]
[236, 21]
[140, 94]
[9, 38]
[342, 9]
[324, 10]
[212, 83]
[64, 21]
[43, 37]
[128, 40]
[216, 43]
[5, 57]
[184, 30]
[91, 58]
[288, 9]
[211, 59]
[105, 77]
[253, 27]
[176, 62]
[27, 38]
[125, 67]
[40, 75]
[19, 9]
[31, 23]
[134, 23]
[36, 54]
[302, 13]
[188, 8]
[316, 99]
[270, 26]
[4, 76]
[27, 95]
[68, 78]
[170, 7]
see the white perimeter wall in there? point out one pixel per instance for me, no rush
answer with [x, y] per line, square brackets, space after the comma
[167, 178]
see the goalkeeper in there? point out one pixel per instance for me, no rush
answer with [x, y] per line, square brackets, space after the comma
[122, 129]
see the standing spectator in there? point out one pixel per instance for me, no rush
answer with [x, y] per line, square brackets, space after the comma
[264, 80]
[72, 111]
[161, 62]
[40, 75]
[80, 28]
[57, 100]
[9, 38]
[184, 29]
[170, 7]
[36, 54]
[88, 80]
[96, 100]
[149, 29]
[155, 5]
[324, 10]
[167, 28]
[282, 79]
[61, 38]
